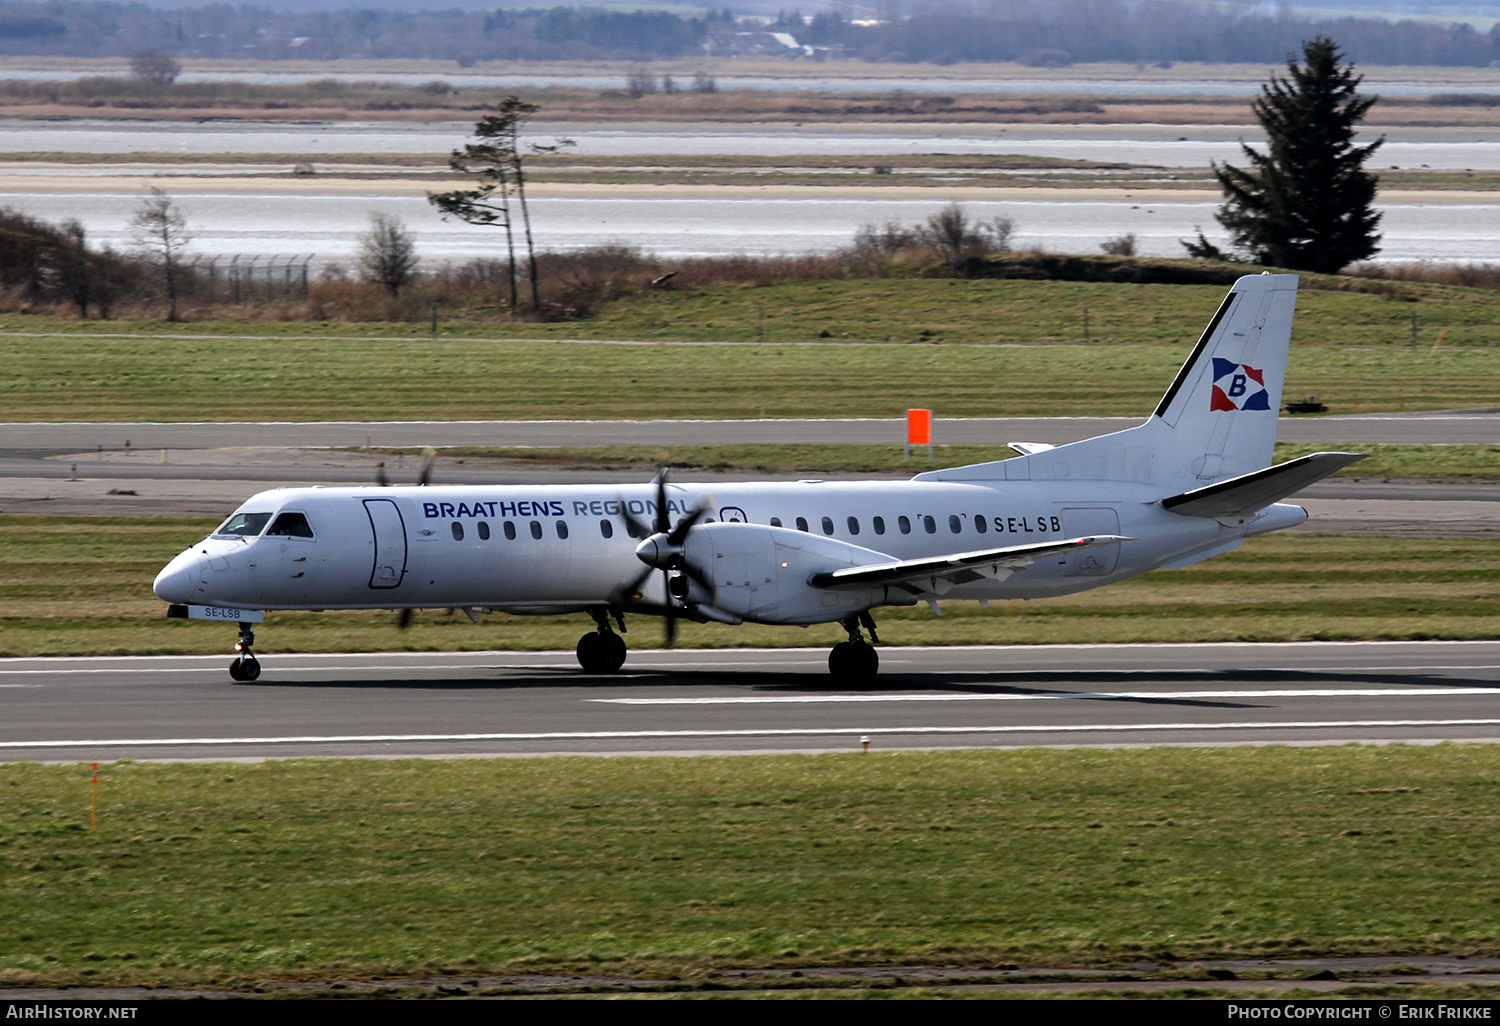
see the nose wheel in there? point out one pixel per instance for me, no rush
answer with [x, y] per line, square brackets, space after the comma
[245, 666]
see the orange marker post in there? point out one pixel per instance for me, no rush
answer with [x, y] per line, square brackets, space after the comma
[918, 430]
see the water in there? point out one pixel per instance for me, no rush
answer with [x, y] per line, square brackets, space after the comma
[267, 222]
[1159, 146]
[325, 228]
[818, 83]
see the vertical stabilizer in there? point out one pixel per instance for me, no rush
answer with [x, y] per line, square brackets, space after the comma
[1217, 420]
[1222, 407]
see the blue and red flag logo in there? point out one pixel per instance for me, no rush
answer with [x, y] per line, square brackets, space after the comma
[1238, 386]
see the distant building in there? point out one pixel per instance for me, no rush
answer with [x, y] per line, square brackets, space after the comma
[752, 44]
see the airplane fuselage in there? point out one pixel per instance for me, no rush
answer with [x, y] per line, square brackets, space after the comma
[568, 547]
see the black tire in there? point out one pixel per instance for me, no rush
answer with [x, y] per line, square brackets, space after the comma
[591, 653]
[853, 664]
[250, 669]
[614, 650]
[234, 671]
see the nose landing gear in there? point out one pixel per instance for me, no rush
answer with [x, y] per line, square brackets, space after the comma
[245, 666]
[603, 651]
[854, 663]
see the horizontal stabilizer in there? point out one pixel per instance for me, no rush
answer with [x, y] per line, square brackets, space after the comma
[1240, 496]
[1027, 448]
[938, 574]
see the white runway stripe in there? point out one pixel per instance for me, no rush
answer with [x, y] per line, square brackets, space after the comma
[1042, 696]
[628, 735]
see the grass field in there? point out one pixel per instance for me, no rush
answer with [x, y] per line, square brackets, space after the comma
[82, 586]
[962, 348]
[226, 874]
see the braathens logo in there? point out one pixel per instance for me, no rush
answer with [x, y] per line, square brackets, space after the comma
[1238, 386]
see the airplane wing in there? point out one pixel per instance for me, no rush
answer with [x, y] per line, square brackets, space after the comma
[939, 574]
[1247, 493]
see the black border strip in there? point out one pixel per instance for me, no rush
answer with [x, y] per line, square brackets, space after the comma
[1182, 374]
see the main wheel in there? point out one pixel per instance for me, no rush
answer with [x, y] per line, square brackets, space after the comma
[614, 650]
[601, 653]
[250, 668]
[853, 663]
[235, 672]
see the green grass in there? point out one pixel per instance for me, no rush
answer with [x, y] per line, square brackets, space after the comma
[962, 348]
[1276, 588]
[227, 874]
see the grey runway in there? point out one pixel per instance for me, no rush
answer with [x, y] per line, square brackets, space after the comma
[510, 703]
[1434, 427]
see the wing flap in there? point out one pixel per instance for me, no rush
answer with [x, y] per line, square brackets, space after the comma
[939, 574]
[1258, 489]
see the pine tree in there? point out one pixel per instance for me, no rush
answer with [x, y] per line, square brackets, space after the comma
[1305, 204]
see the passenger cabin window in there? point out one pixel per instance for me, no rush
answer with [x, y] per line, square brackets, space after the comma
[801, 523]
[630, 529]
[828, 525]
[536, 529]
[904, 524]
[775, 521]
[510, 531]
[243, 525]
[484, 531]
[291, 525]
[458, 531]
[879, 523]
[929, 525]
[606, 529]
[562, 529]
[980, 525]
[954, 523]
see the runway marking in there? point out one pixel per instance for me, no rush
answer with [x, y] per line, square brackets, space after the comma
[1055, 695]
[628, 735]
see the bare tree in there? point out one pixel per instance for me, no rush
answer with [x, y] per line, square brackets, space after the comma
[498, 164]
[1120, 245]
[155, 67]
[953, 235]
[160, 228]
[387, 253]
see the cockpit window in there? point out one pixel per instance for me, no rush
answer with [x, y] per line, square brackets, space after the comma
[291, 525]
[243, 525]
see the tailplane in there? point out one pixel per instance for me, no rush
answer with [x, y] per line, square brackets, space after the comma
[1216, 421]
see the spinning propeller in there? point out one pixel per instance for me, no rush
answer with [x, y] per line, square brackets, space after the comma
[663, 550]
[423, 479]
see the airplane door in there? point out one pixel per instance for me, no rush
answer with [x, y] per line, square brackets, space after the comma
[390, 543]
[1083, 522]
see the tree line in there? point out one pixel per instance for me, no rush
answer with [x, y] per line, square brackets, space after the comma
[934, 31]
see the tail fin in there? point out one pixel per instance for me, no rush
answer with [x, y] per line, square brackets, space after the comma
[1217, 420]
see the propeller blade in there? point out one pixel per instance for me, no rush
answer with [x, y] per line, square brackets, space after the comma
[627, 592]
[404, 621]
[380, 478]
[685, 525]
[671, 611]
[701, 579]
[637, 529]
[663, 518]
[426, 476]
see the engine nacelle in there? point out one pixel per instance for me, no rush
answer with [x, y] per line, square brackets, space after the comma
[761, 573]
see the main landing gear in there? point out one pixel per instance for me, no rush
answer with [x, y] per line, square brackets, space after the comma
[245, 666]
[602, 651]
[854, 662]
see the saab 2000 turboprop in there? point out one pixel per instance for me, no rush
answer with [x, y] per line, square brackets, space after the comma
[1193, 481]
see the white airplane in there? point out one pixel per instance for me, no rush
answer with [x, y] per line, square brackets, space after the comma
[1193, 481]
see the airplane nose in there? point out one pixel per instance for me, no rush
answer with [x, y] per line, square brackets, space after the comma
[179, 579]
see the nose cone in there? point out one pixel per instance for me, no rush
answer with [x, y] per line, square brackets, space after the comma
[178, 581]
